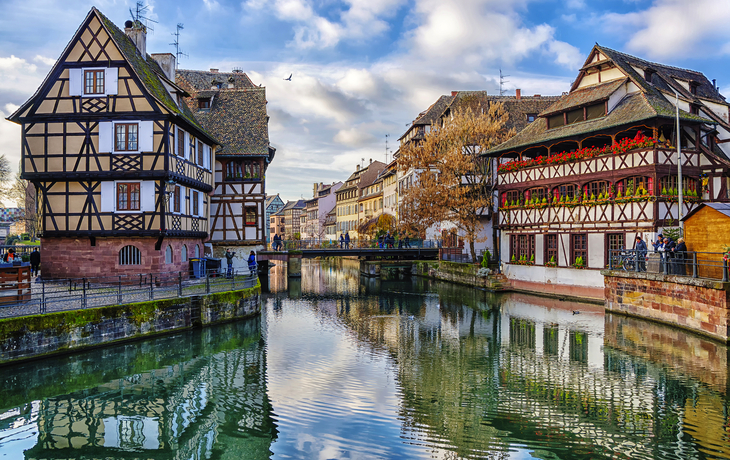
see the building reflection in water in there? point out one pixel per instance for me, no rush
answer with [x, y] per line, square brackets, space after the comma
[151, 399]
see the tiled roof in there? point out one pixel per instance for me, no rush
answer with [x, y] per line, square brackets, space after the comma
[584, 96]
[237, 116]
[196, 80]
[518, 109]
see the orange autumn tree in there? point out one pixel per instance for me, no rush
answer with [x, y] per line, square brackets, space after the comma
[454, 182]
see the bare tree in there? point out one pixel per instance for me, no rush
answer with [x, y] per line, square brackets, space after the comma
[454, 183]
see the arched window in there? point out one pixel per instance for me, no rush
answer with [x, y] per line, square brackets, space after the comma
[184, 253]
[596, 188]
[634, 183]
[168, 254]
[509, 197]
[566, 190]
[535, 194]
[197, 251]
[130, 255]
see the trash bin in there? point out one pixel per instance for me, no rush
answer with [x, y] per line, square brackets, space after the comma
[197, 268]
[213, 266]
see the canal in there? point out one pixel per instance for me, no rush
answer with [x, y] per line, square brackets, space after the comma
[340, 366]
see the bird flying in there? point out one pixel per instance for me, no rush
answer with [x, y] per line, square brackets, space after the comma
[289, 79]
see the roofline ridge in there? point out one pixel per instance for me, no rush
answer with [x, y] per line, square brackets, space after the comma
[652, 62]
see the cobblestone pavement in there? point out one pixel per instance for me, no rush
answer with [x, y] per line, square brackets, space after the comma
[65, 295]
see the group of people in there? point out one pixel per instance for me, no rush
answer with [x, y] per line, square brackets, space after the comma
[672, 254]
[345, 241]
[276, 243]
[388, 241]
[35, 259]
[229, 260]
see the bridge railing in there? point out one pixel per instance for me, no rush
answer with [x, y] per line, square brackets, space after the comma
[354, 243]
[710, 265]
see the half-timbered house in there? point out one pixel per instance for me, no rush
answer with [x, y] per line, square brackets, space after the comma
[233, 110]
[600, 166]
[121, 166]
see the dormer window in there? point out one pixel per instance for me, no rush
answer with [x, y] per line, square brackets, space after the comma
[590, 112]
[694, 109]
[531, 117]
[693, 87]
[648, 73]
[204, 103]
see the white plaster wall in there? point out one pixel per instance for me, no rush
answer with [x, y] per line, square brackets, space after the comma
[539, 249]
[616, 97]
[563, 249]
[596, 246]
[719, 109]
[554, 275]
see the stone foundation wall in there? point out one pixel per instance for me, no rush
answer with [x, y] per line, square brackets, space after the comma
[460, 273]
[77, 258]
[51, 333]
[695, 304]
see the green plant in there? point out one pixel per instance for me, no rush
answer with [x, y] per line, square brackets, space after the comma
[673, 233]
[513, 259]
[579, 262]
[486, 255]
[551, 262]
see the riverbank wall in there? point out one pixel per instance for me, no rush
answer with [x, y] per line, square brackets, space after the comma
[460, 273]
[699, 305]
[30, 337]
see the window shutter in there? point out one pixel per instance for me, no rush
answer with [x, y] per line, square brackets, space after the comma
[106, 136]
[147, 190]
[111, 81]
[183, 201]
[187, 146]
[108, 196]
[171, 201]
[146, 135]
[206, 156]
[75, 82]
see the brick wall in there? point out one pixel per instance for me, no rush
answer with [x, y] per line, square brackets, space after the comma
[695, 304]
[77, 258]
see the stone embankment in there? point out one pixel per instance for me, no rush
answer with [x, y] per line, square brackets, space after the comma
[47, 334]
[460, 273]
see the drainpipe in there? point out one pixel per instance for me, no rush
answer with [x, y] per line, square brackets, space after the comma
[680, 191]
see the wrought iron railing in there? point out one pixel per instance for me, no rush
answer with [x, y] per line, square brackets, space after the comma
[316, 243]
[81, 293]
[710, 265]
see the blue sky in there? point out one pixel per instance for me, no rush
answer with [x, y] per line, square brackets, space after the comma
[365, 68]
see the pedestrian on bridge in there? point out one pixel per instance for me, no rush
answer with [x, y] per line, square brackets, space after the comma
[252, 263]
[342, 241]
[347, 240]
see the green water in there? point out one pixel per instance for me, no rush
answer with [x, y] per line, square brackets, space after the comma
[340, 366]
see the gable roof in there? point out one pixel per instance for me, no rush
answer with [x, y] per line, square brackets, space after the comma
[723, 208]
[649, 102]
[145, 68]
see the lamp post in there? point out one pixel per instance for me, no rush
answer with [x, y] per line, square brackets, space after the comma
[680, 191]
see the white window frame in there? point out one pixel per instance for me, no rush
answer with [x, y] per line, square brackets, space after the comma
[147, 196]
[145, 136]
[76, 81]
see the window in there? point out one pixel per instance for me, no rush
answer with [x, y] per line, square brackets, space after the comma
[192, 149]
[574, 116]
[596, 188]
[579, 247]
[197, 251]
[556, 121]
[551, 248]
[537, 192]
[669, 183]
[201, 152]
[631, 184]
[181, 143]
[694, 109]
[616, 242]
[595, 111]
[130, 255]
[196, 206]
[204, 103]
[176, 199]
[509, 197]
[184, 253]
[125, 137]
[523, 246]
[566, 190]
[168, 254]
[128, 196]
[250, 215]
[531, 117]
[94, 81]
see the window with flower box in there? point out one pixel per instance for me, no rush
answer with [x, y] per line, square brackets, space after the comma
[579, 248]
[567, 191]
[522, 248]
[668, 185]
[551, 248]
[596, 188]
[634, 183]
[536, 194]
[243, 170]
[510, 197]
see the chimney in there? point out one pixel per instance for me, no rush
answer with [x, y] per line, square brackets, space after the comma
[537, 95]
[137, 32]
[371, 161]
[714, 83]
[518, 94]
[167, 64]
[213, 70]
[454, 93]
[357, 168]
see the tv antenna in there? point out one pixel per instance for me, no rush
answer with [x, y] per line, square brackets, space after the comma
[176, 44]
[137, 15]
[502, 81]
[386, 148]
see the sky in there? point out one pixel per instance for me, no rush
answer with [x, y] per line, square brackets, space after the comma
[362, 70]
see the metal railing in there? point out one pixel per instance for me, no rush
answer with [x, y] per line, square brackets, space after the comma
[80, 293]
[710, 265]
[360, 243]
[20, 250]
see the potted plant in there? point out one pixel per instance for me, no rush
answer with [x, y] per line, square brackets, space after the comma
[551, 262]
[579, 263]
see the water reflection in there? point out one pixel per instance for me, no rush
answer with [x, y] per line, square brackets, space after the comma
[341, 366]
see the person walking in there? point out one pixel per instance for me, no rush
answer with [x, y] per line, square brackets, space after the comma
[275, 245]
[641, 250]
[35, 261]
[252, 263]
[407, 241]
[669, 246]
[679, 255]
[347, 240]
[342, 241]
[229, 260]
[380, 241]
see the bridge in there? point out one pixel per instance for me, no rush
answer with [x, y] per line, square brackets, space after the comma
[294, 258]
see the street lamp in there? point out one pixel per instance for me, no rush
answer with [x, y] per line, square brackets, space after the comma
[680, 191]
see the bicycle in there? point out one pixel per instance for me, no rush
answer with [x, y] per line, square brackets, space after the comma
[626, 261]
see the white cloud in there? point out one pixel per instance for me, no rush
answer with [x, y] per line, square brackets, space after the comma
[354, 137]
[675, 28]
[9, 136]
[211, 5]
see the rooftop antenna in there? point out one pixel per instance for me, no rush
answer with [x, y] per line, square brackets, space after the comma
[502, 81]
[176, 44]
[137, 15]
[386, 148]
